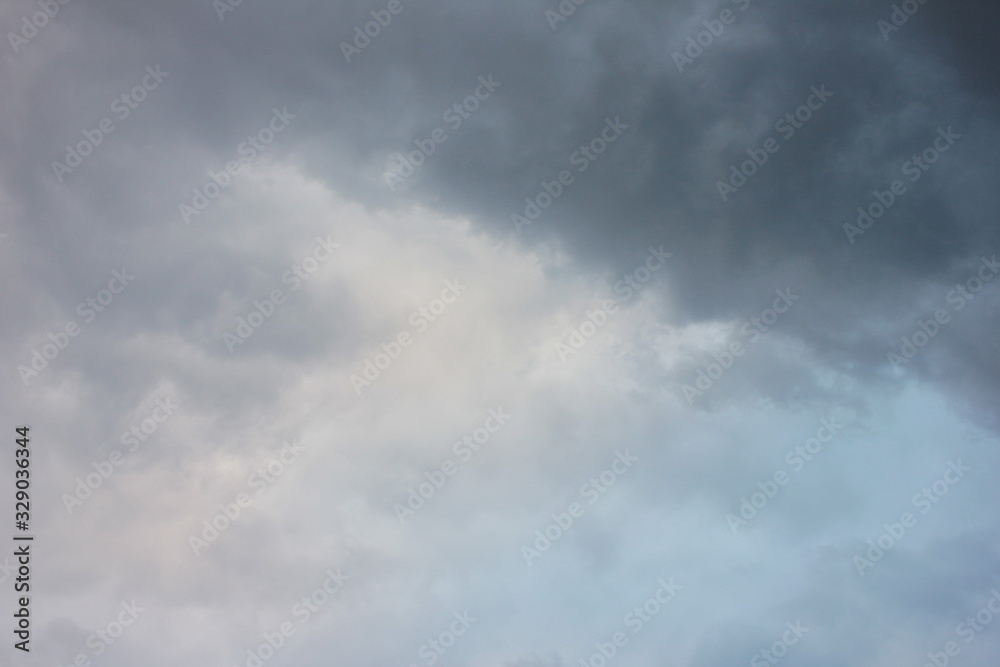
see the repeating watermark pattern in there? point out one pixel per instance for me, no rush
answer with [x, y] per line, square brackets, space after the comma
[786, 126]
[133, 439]
[436, 647]
[796, 459]
[303, 270]
[454, 116]
[37, 21]
[562, 12]
[421, 319]
[914, 169]
[464, 449]
[264, 309]
[100, 641]
[582, 158]
[635, 620]
[223, 7]
[899, 17]
[122, 107]
[7, 569]
[249, 149]
[381, 18]
[925, 501]
[300, 613]
[698, 43]
[260, 480]
[753, 329]
[779, 649]
[967, 630]
[592, 491]
[630, 285]
[88, 309]
[929, 328]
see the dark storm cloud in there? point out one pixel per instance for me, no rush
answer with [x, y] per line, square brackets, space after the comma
[656, 184]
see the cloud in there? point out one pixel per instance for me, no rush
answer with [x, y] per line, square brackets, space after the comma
[307, 301]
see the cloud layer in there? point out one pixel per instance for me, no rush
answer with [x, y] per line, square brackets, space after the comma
[504, 334]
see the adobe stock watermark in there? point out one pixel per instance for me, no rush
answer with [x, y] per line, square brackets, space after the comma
[704, 39]
[786, 126]
[899, 17]
[31, 25]
[260, 480]
[88, 309]
[454, 116]
[779, 649]
[562, 12]
[592, 491]
[464, 449]
[133, 439]
[630, 284]
[420, 319]
[924, 501]
[122, 107]
[913, 168]
[635, 620]
[223, 7]
[796, 459]
[435, 647]
[263, 310]
[967, 630]
[582, 158]
[249, 150]
[753, 328]
[7, 570]
[101, 640]
[929, 328]
[381, 18]
[301, 613]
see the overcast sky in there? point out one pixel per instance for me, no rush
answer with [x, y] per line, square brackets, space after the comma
[523, 333]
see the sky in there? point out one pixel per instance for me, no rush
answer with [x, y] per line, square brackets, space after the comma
[535, 333]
